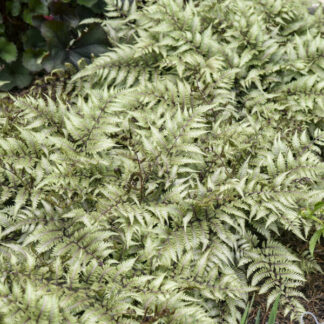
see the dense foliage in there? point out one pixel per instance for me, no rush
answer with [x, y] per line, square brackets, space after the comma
[159, 186]
[38, 35]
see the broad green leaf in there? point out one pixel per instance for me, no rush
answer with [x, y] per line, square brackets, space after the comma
[8, 50]
[35, 7]
[33, 39]
[67, 14]
[17, 76]
[93, 41]
[15, 7]
[32, 59]
[56, 34]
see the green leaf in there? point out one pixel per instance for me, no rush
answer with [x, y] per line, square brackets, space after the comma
[8, 50]
[54, 59]
[274, 310]
[35, 7]
[318, 206]
[93, 41]
[33, 38]
[66, 13]
[56, 34]
[316, 237]
[258, 318]
[246, 312]
[17, 76]
[15, 7]
[32, 58]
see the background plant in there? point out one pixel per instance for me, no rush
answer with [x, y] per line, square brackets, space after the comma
[38, 35]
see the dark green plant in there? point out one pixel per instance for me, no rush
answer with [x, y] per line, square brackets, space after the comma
[38, 35]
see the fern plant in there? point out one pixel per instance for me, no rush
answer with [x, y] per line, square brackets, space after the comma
[159, 187]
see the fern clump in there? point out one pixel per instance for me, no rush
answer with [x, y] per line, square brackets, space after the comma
[159, 190]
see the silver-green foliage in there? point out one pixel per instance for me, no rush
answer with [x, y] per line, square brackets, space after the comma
[161, 190]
